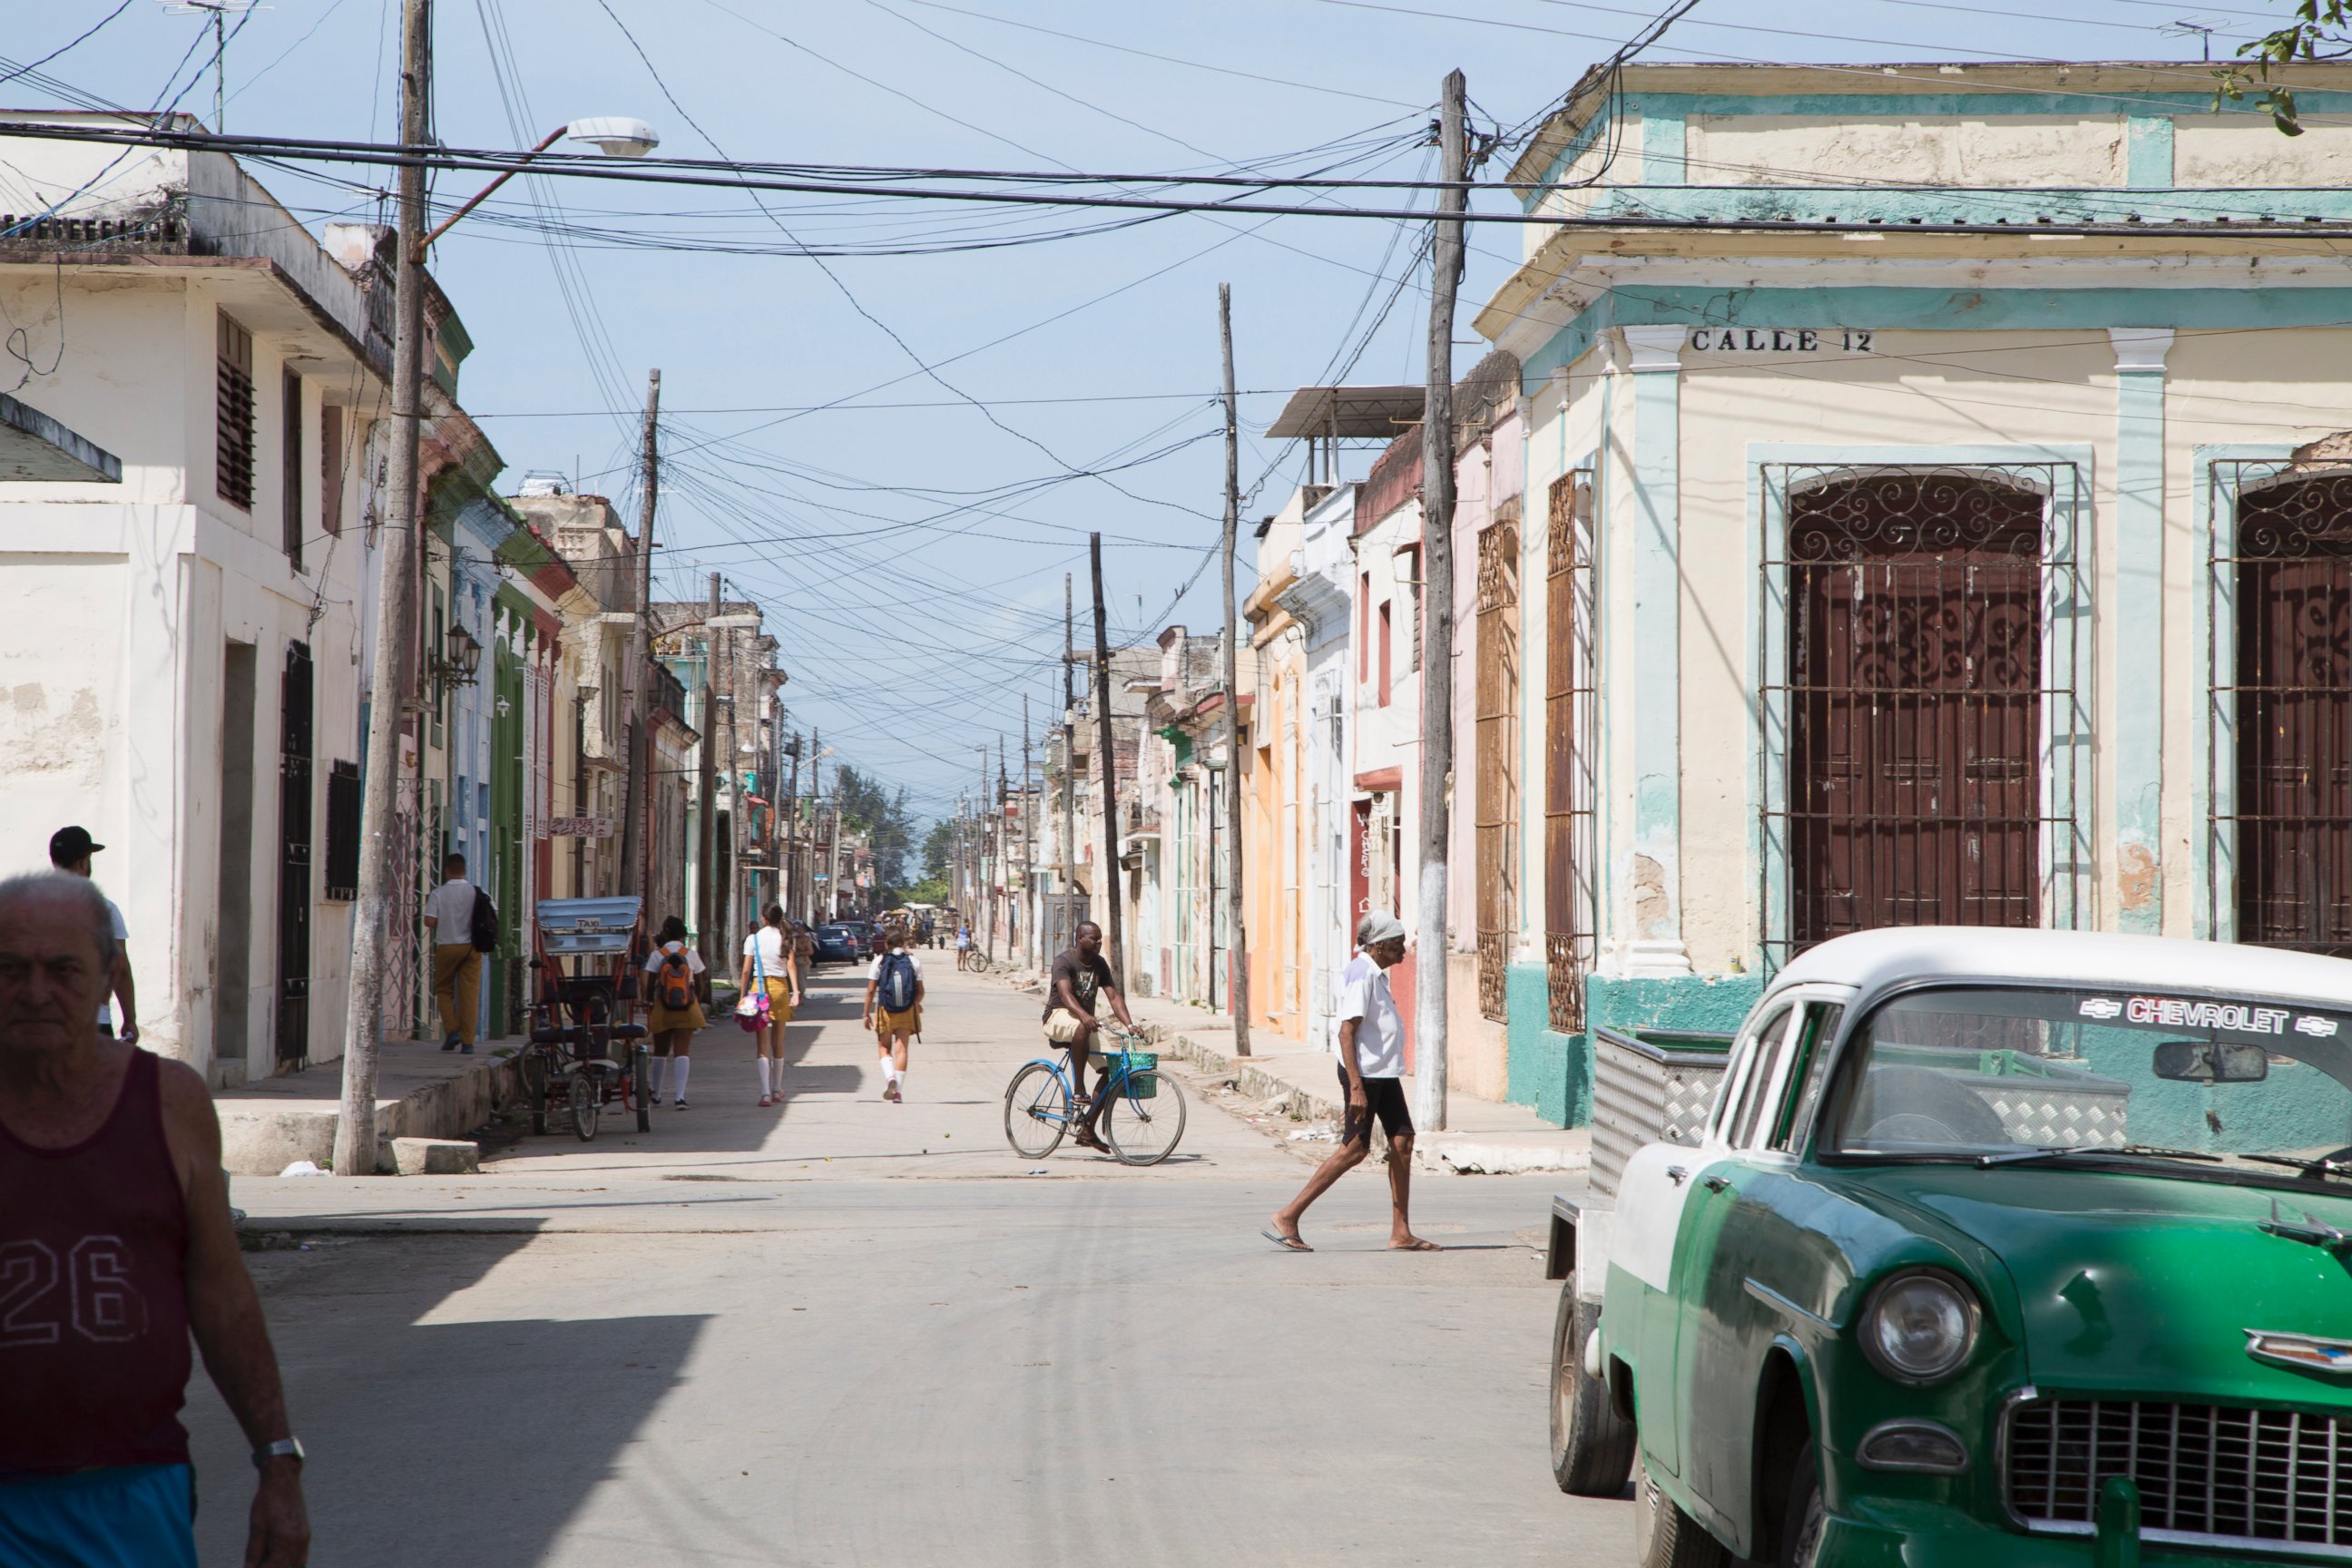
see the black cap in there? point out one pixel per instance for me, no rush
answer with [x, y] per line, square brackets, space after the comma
[68, 845]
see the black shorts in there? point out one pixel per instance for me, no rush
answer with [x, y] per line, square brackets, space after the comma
[1383, 1098]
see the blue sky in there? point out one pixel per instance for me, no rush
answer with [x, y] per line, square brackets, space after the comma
[908, 547]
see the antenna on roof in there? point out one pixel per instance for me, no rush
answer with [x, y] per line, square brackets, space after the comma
[2189, 26]
[219, 11]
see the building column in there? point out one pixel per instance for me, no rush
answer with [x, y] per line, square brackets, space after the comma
[1652, 880]
[2139, 626]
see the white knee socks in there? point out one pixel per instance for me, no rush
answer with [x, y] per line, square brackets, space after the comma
[657, 1070]
[682, 1063]
[765, 1078]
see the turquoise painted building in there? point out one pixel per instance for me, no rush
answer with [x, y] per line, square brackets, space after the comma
[1935, 512]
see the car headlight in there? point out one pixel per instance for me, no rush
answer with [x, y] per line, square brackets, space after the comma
[1920, 1327]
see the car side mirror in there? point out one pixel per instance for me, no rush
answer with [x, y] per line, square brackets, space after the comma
[2210, 1061]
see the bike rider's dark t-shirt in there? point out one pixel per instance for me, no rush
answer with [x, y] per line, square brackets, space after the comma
[1084, 981]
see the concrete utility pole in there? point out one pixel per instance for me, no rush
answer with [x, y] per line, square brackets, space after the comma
[1030, 921]
[1437, 616]
[706, 919]
[1236, 939]
[789, 873]
[1069, 878]
[637, 821]
[980, 849]
[1107, 769]
[396, 644]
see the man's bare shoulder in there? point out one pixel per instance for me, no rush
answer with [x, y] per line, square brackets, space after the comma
[187, 1103]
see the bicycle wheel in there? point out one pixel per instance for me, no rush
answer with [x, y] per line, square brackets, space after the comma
[1037, 1111]
[641, 1088]
[1144, 1132]
[534, 1088]
[584, 1108]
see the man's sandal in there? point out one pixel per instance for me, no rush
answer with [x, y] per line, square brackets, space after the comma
[1288, 1243]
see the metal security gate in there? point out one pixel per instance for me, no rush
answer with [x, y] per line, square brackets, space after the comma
[1498, 771]
[294, 860]
[1571, 891]
[2282, 708]
[1919, 696]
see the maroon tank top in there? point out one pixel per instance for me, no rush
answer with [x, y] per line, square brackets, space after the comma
[93, 1293]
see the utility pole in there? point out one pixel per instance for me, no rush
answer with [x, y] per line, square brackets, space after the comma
[636, 824]
[1069, 878]
[790, 873]
[395, 649]
[707, 818]
[1107, 769]
[1030, 922]
[1236, 940]
[980, 849]
[1437, 616]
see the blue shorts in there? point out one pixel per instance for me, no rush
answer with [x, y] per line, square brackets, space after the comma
[133, 1516]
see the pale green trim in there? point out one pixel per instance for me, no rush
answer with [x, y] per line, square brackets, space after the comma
[2139, 639]
[2147, 151]
[2019, 207]
[1657, 632]
[1665, 155]
[1930, 104]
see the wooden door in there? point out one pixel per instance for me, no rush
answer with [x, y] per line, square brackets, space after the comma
[1915, 657]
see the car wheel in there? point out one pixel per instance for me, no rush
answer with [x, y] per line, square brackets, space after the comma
[1804, 1521]
[1592, 1444]
[1666, 1537]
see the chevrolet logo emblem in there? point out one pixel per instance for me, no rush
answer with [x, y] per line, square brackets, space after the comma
[2302, 1352]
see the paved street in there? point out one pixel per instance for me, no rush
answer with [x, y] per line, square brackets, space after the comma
[853, 1332]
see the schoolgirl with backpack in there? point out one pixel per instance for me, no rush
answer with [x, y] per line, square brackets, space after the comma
[894, 1008]
[771, 992]
[674, 988]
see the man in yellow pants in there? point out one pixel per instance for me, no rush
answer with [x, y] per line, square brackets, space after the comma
[456, 963]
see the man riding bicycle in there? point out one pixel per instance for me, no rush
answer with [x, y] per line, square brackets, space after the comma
[1081, 980]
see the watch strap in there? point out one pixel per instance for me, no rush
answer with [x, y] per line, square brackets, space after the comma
[284, 1448]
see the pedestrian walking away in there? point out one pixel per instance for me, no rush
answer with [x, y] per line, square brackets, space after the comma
[69, 850]
[771, 962]
[455, 913]
[118, 1248]
[1372, 1076]
[894, 1008]
[677, 986]
[1081, 983]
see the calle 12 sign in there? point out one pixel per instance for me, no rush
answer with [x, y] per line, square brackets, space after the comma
[1779, 340]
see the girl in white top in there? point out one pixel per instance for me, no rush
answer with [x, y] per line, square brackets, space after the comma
[771, 955]
[672, 1028]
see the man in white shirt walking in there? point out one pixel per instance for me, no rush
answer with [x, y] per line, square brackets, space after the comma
[456, 963]
[69, 850]
[1371, 1076]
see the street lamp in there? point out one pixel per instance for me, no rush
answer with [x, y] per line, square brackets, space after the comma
[397, 587]
[460, 658]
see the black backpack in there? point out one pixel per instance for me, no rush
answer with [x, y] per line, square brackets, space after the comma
[485, 935]
[896, 987]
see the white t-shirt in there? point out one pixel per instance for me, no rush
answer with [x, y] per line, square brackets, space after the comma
[106, 996]
[873, 970]
[452, 906]
[1379, 1031]
[693, 960]
[767, 944]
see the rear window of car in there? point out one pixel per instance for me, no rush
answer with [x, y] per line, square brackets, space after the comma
[2258, 1082]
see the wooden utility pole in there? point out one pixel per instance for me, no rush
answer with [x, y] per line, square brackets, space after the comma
[1107, 769]
[637, 823]
[1031, 923]
[401, 541]
[1237, 989]
[707, 816]
[1437, 616]
[791, 874]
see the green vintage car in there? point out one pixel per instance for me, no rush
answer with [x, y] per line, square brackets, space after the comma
[1998, 1247]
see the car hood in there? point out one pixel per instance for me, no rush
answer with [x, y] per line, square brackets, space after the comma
[2149, 1284]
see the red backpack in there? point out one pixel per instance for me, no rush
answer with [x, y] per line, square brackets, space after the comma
[677, 982]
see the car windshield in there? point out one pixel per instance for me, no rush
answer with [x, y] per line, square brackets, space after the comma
[1976, 1072]
[833, 933]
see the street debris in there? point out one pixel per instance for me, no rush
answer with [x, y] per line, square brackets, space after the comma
[303, 1168]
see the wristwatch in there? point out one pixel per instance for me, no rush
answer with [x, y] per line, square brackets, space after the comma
[284, 1448]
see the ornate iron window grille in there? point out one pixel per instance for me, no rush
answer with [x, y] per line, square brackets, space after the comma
[1499, 770]
[2279, 706]
[1572, 753]
[1918, 655]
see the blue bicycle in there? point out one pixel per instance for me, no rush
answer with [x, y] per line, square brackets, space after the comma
[1142, 1123]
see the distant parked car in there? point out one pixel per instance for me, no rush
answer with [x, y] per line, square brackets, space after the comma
[836, 944]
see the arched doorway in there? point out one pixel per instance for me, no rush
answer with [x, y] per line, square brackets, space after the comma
[1914, 702]
[2292, 597]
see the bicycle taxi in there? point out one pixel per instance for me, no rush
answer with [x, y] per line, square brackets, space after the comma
[584, 1053]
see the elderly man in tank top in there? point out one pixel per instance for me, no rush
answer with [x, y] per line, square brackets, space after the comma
[118, 1247]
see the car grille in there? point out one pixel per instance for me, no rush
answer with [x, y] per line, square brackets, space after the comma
[2204, 1471]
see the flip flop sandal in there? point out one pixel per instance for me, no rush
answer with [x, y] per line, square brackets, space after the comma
[1418, 1245]
[1288, 1243]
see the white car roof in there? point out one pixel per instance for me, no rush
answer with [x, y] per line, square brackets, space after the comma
[1874, 960]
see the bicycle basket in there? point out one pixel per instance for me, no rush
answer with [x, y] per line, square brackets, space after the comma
[1142, 1068]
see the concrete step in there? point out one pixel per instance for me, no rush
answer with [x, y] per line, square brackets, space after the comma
[421, 1092]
